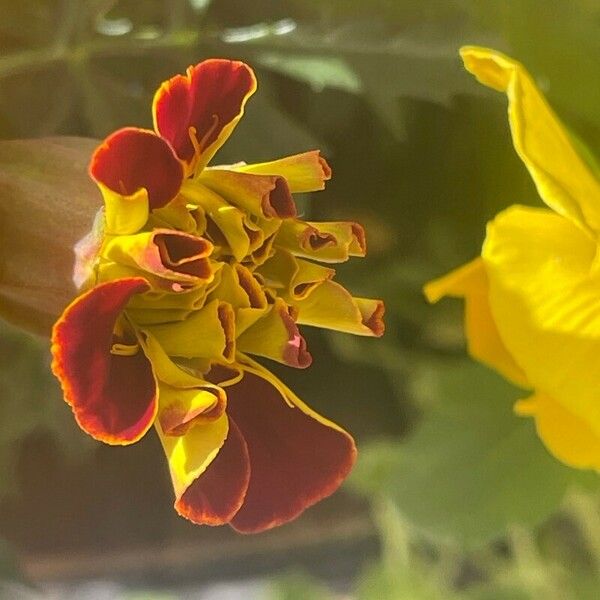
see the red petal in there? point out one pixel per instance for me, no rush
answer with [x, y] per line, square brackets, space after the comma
[131, 159]
[114, 397]
[208, 98]
[295, 460]
[216, 496]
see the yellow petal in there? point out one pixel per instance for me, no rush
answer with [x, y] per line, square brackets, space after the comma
[183, 408]
[190, 455]
[231, 228]
[331, 306]
[326, 242]
[124, 214]
[276, 336]
[264, 196]
[166, 253]
[545, 302]
[206, 333]
[562, 177]
[568, 437]
[306, 172]
[484, 342]
[293, 278]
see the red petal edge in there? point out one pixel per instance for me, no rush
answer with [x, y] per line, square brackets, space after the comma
[216, 496]
[131, 159]
[295, 460]
[114, 398]
[209, 97]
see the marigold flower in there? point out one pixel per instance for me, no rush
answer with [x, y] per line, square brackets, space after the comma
[190, 269]
[533, 297]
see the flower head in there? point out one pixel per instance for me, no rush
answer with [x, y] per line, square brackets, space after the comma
[187, 272]
[532, 297]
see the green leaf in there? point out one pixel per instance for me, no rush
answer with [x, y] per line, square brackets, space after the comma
[472, 468]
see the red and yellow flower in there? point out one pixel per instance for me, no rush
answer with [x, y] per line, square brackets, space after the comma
[187, 272]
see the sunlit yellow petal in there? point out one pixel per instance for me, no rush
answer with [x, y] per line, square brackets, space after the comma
[124, 214]
[189, 455]
[306, 172]
[331, 306]
[545, 304]
[206, 333]
[471, 283]
[326, 242]
[564, 181]
[567, 436]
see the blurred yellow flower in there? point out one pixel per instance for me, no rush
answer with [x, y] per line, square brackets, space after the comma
[533, 296]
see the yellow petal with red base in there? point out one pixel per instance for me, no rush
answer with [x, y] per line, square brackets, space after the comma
[484, 342]
[106, 378]
[564, 181]
[197, 112]
[306, 172]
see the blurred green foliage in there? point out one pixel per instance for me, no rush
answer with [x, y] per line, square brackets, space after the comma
[463, 495]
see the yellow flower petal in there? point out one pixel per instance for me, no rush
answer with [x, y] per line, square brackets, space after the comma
[276, 336]
[545, 304]
[567, 436]
[231, 228]
[124, 214]
[264, 196]
[331, 306]
[326, 242]
[293, 278]
[189, 455]
[563, 180]
[206, 333]
[306, 172]
[483, 339]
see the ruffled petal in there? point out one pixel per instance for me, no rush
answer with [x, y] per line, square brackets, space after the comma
[136, 172]
[107, 380]
[210, 471]
[206, 333]
[306, 172]
[197, 112]
[293, 278]
[276, 336]
[568, 437]
[545, 304]
[229, 227]
[563, 180]
[327, 242]
[331, 306]
[166, 253]
[296, 456]
[264, 196]
[484, 342]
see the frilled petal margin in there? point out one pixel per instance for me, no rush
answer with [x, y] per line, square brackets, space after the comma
[470, 282]
[296, 456]
[563, 180]
[107, 380]
[197, 112]
[568, 437]
[545, 303]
